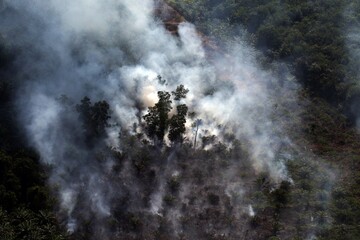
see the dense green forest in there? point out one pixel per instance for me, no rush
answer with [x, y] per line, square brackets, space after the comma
[308, 35]
[159, 162]
[27, 205]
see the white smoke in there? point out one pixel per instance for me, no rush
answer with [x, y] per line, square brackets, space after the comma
[352, 33]
[251, 211]
[114, 50]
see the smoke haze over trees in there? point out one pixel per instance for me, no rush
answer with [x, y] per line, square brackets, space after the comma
[120, 120]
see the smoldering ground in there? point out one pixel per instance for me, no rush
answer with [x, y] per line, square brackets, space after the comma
[119, 187]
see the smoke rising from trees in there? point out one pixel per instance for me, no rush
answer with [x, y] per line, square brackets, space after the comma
[89, 72]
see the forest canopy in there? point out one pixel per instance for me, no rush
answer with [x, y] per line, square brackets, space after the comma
[223, 144]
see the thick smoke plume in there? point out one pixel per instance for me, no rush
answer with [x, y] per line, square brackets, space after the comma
[115, 50]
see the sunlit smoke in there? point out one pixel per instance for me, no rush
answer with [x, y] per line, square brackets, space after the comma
[115, 50]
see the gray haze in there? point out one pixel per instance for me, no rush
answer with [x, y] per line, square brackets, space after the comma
[114, 50]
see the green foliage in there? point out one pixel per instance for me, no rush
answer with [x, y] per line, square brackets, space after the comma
[208, 140]
[177, 124]
[27, 225]
[280, 196]
[157, 117]
[169, 199]
[304, 33]
[21, 182]
[94, 117]
[180, 93]
[25, 201]
[174, 183]
[309, 35]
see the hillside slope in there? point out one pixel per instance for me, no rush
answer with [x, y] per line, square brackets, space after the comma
[240, 129]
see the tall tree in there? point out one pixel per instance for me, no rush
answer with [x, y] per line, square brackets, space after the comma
[100, 115]
[94, 117]
[157, 117]
[177, 124]
[84, 110]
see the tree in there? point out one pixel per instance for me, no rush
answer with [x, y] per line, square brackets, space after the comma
[100, 115]
[84, 110]
[177, 124]
[180, 92]
[196, 125]
[157, 117]
[94, 118]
